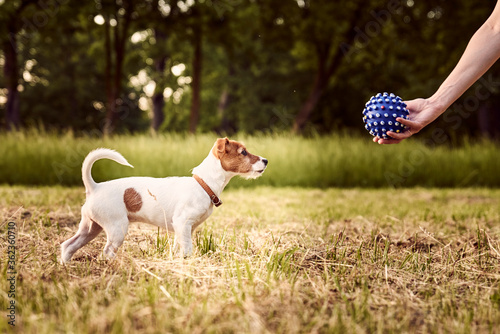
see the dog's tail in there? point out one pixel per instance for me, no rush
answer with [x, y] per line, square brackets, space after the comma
[100, 153]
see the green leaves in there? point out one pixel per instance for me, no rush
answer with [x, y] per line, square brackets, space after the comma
[262, 60]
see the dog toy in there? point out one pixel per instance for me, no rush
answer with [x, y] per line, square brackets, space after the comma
[380, 114]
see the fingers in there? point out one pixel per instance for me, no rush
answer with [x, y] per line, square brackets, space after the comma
[396, 138]
[382, 141]
[400, 136]
[415, 126]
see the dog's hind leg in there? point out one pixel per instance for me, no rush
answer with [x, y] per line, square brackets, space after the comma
[87, 231]
[116, 233]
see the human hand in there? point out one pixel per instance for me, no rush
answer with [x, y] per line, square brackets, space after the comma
[421, 113]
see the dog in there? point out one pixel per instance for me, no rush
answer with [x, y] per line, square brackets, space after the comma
[180, 204]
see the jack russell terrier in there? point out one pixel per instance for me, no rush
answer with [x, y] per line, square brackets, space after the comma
[178, 203]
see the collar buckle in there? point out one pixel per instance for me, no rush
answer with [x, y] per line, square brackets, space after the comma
[216, 200]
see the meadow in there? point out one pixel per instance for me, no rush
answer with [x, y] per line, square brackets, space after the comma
[331, 239]
[270, 260]
[37, 158]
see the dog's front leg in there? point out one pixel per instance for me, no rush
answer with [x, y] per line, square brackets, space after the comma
[182, 229]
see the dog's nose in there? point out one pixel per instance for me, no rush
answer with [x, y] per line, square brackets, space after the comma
[264, 161]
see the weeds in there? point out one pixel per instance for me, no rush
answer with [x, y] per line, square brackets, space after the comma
[206, 243]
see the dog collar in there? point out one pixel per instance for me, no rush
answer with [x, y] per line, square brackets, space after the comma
[213, 197]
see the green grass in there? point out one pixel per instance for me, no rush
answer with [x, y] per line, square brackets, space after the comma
[35, 158]
[286, 260]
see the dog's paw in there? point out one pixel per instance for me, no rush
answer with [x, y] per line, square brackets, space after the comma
[187, 251]
[109, 253]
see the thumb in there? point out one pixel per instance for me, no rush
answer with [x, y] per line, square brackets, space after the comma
[414, 105]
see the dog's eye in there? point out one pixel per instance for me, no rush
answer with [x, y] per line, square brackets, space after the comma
[244, 152]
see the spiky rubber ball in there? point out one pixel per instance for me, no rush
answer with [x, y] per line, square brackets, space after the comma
[380, 114]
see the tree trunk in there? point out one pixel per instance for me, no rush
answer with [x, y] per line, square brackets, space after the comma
[310, 103]
[114, 70]
[158, 99]
[196, 87]
[489, 120]
[158, 115]
[11, 73]
[226, 126]
[223, 103]
[327, 66]
[11, 67]
[326, 69]
[108, 75]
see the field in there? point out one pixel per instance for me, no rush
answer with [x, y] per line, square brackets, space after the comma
[333, 238]
[34, 158]
[286, 260]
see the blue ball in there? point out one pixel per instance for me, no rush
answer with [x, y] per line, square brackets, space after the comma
[380, 114]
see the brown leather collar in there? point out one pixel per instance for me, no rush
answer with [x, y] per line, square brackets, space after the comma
[215, 200]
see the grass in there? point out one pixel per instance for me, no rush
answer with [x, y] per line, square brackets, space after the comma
[286, 260]
[35, 158]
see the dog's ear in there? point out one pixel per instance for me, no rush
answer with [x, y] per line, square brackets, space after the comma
[220, 147]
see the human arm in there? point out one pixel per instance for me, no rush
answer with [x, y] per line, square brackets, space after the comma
[481, 53]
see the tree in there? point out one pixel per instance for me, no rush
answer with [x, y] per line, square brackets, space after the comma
[320, 32]
[197, 70]
[158, 24]
[265, 65]
[256, 81]
[10, 19]
[196, 18]
[117, 18]
[159, 66]
[63, 86]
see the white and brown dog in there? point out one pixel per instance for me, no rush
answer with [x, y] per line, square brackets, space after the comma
[178, 203]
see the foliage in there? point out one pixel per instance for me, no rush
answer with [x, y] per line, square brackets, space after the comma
[35, 158]
[260, 60]
[269, 260]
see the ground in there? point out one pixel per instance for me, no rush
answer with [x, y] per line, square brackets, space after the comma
[294, 260]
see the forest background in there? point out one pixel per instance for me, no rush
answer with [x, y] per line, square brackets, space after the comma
[228, 66]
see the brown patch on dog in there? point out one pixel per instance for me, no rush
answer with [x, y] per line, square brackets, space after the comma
[233, 156]
[132, 199]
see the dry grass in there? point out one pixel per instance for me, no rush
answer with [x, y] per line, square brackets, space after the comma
[269, 260]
